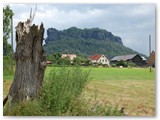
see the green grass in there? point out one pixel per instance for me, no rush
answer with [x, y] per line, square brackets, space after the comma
[8, 74]
[62, 96]
[117, 73]
[8, 77]
[122, 74]
[106, 73]
[131, 88]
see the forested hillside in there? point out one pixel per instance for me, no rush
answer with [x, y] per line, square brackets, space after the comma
[85, 42]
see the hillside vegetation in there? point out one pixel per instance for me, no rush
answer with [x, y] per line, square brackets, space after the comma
[85, 42]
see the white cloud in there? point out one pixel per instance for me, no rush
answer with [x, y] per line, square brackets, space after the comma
[142, 10]
[132, 22]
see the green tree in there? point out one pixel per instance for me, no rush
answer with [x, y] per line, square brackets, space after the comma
[7, 16]
[77, 61]
[56, 57]
[122, 63]
[88, 62]
[65, 61]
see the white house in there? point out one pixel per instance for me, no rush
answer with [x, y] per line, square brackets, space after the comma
[71, 56]
[100, 59]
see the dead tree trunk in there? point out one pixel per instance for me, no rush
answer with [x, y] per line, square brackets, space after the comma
[30, 64]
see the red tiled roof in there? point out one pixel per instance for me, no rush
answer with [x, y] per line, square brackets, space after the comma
[95, 57]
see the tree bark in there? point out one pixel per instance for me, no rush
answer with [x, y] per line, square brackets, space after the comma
[30, 64]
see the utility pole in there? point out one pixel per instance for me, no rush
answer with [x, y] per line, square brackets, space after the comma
[12, 43]
[150, 52]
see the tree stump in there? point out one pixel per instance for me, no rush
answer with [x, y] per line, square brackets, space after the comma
[30, 63]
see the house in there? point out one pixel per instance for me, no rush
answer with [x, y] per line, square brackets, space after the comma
[144, 60]
[100, 59]
[151, 60]
[135, 58]
[71, 56]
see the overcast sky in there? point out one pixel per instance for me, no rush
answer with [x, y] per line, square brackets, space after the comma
[132, 22]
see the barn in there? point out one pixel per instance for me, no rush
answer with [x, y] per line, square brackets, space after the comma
[135, 58]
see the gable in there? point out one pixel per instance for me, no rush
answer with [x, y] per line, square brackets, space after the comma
[137, 58]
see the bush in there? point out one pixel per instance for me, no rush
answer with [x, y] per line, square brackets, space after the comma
[131, 64]
[122, 63]
[113, 65]
[27, 108]
[61, 87]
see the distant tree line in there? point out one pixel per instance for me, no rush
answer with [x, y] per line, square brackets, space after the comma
[56, 59]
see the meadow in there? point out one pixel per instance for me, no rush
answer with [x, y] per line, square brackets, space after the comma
[133, 89]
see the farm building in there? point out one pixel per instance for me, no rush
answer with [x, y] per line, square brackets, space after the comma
[135, 58]
[71, 56]
[99, 59]
[151, 60]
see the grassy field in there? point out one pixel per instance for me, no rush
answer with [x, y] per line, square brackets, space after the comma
[131, 88]
[121, 74]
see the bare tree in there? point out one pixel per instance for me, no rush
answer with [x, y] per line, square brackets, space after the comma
[30, 62]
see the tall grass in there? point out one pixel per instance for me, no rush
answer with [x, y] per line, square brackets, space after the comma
[61, 96]
[61, 87]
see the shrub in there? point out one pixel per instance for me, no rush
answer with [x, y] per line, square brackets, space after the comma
[27, 108]
[131, 64]
[113, 65]
[122, 63]
[61, 87]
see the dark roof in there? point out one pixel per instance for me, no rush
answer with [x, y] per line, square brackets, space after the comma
[124, 57]
[95, 57]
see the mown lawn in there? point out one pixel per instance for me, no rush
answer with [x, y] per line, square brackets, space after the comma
[131, 88]
[117, 73]
[122, 74]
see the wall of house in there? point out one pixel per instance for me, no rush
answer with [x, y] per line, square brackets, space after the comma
[93, 61]
[113, 62]
[103, 60]
[137, 60]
